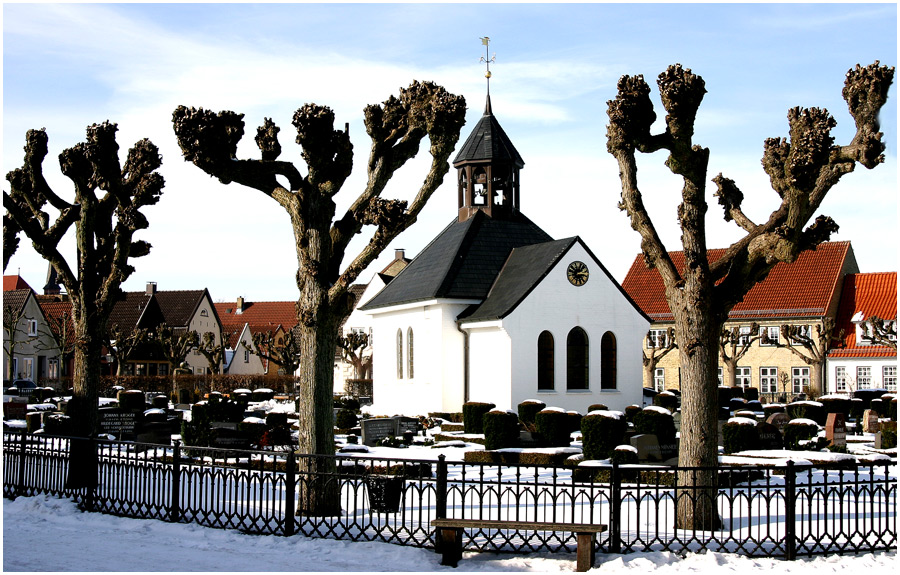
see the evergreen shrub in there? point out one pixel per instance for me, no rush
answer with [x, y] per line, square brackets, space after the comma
[794, 432]
[751, 394]
[473, 412]
[807, 410]
[667, 400]
[574, 419]
[345, 419]
[624, 455]
[857, 408]
[630, 412]
[835, 404]
[528, 409]
[737, 436]
[597, 407]
[601, 434]
[657, 423]
[879, 406]
[773, 408]
[131, 399]
[553, 428]
[501, 429]
[868, 395]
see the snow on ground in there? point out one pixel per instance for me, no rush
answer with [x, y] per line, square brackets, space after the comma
[48, 534]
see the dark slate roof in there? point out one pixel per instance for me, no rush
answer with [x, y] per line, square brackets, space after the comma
[524, 269]
[462, 262]
[128, 311]
[178, 306]
[488, 142]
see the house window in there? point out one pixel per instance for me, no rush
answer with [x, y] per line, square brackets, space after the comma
[742, 376]
[770, 334]
[864, 377]
[840, 378]
[744, 337]
[799, 379]
[658, 339]
[889, 377]
[204, 313]
[659, 378]
[246, 356]
[27, 367]
[608, 361]
[399, 354]
[53, 369]
[545, 361]
[768, 379]
[803, 331]
[163, 369]
[409, 353]
[32, 326]
[577, 366]
[721, 378]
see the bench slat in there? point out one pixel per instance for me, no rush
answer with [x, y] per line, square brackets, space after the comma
[526, 525]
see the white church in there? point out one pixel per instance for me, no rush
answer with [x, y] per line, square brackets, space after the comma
[495, 310]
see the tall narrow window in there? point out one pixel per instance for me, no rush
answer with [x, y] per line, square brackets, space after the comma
[545, 361]
[399, 354]
[768, 379]
[608, 361]
[659, 378]
[840, 378]
[577, 367]
[409, 354]
[799, 379]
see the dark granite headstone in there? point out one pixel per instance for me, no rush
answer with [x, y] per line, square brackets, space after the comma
[836, 429]
[374, 430]
[769, 436]
[229, 425]
[404, 424]
[122, 423]
[14, 409]
[231, 439]
[647, 446]
[779, 420]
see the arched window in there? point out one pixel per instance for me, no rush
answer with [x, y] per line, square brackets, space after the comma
[608, 361]
[577, 366]
[409, 353]
[399, 354]
[545, 361]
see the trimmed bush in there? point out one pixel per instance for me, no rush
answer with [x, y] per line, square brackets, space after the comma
[724, 396]
[553, 428]
[597, 407]
[892, 408]
[857, 408]
[624, 455]
[262, 394]
[473, 412]
[657, 423]
[455, 417]
[529, 408]
[751, 394]
[666, 399]
[737, 403]
[57, 425]
[807, 410]
[796, 431]
[738, 435]
[501, 429]
[132, 399]
[516, 457]
[835, 404]
[754, 405]
[879, 406]
[601, 434]
[345, 419]
[574, 421]
[278, 419]
[630, 412]
[736, 391]
[868, 395]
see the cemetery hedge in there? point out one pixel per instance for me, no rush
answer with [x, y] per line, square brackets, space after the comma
[501, 429]
[601, 434]
[807, 410]
[667, 400]
[836, 405]
[739, 437]
[473, 414]
[597, 407]
[796, 432]
[630, 412]
[661, 425]
[345, 419]
[773, 408]
[516, 457]
[553, 428]
[528, 409]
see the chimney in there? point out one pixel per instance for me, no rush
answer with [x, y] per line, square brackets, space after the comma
[151, 288]
[240, 305]
[400, 254]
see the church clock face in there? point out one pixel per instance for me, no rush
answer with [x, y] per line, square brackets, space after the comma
[577, 273]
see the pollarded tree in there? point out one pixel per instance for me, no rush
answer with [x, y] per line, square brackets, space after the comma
[657, 351]
[105, 224]
[877, 331]
[733, 346]
[282, 349]
[352, 347]
[802, 169]
[175, 345]
[122, 344]
[213, 351]
[396, 129]
[814, 345]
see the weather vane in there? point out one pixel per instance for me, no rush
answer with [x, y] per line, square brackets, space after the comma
[487, 61]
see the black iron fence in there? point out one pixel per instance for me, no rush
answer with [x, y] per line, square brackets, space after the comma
[761, 511]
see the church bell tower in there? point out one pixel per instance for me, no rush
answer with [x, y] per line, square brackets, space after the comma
[488, 166]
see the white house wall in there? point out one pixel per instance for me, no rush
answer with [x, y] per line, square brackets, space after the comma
[253, 364]
[877, 365]
[203, 320]
[558, 306]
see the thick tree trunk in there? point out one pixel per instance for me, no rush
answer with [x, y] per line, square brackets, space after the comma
[816, 379]
[729, 373]
[82, 408]
[696, 501]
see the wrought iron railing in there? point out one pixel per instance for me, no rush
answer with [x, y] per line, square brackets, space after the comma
[761, 511]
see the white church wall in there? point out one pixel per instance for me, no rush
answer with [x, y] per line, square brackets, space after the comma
[490, 371]
[558, 306]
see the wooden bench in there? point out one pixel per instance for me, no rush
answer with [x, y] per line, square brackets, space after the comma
[449, 532]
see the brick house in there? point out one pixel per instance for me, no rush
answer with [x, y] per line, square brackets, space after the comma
[801, 295]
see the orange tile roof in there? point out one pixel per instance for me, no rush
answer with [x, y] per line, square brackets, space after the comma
[262, 316]
[14, 282]
[802, 288]
[54, 311]
[873, 294]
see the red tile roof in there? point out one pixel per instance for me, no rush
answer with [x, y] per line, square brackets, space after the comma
[873, 294]
[14, 283]
[802, 288]
[55, 311]
[262, 316]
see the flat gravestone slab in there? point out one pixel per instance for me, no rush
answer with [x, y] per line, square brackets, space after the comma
[836, 429]
[231, 439]
[779, 420]
[647, 446]
[404, 424]
[122, 423]
[14, 410]
[230, 425]
[769, 436]
[374, 430]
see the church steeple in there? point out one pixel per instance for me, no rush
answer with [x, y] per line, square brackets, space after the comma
[488, 167]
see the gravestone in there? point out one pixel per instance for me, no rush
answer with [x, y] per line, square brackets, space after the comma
[184, 396]
[228, 425]
[836, 429]
[779, 420]
[877, 444]
[668, 450]
[230, 438]
[769, 436]
[676, 418]
[404, 424]
[870, 421]
[122, 423]
[647, 446]
[33, 421]
[14, 409]
[160, 402]
[374, 430]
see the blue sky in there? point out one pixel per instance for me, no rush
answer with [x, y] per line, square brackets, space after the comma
[66, 66]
